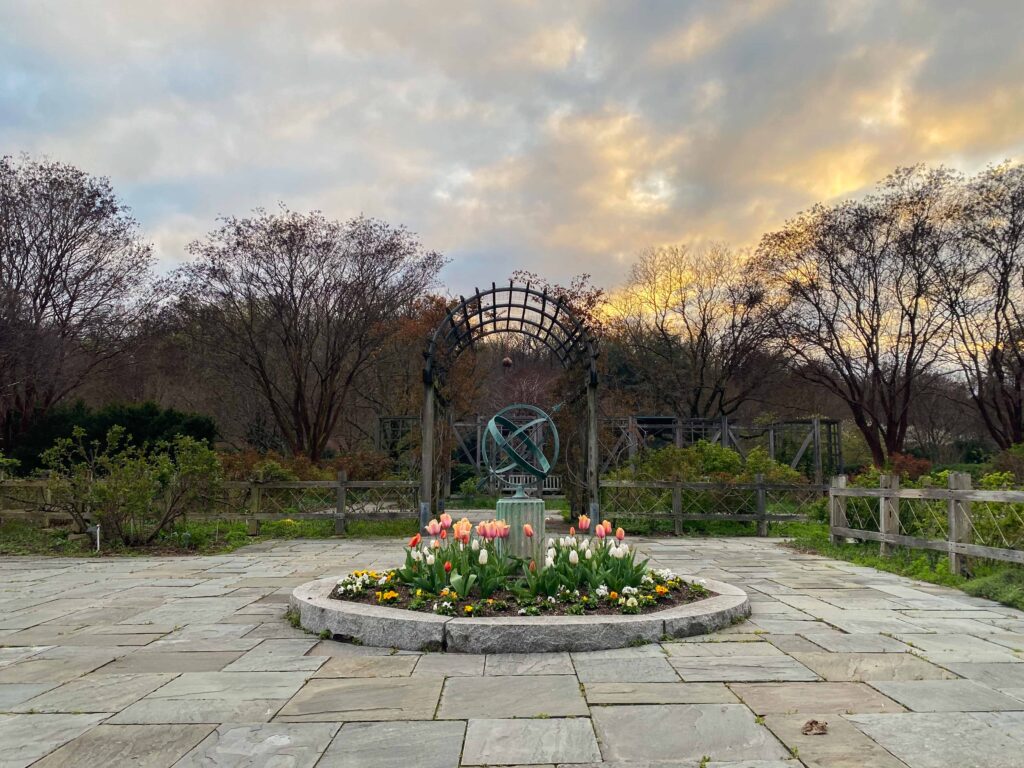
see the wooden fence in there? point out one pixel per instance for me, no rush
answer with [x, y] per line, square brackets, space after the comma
[958, 519]
[341, 500]
[759, 501]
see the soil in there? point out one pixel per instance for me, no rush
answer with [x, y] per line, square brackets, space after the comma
[682, 596]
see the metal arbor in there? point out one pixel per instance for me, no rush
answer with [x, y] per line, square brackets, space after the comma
[511, 309]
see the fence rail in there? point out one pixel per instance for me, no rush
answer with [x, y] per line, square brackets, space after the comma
[959, 520]
[340, 499]
[759, 501]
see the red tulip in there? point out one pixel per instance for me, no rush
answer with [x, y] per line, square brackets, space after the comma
[528, 530]
[447, 566]
[444, 533]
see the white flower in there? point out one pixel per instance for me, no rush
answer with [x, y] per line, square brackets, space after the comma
[631, 603]
[629, 590]
[415, 555]
[588, 554]
[574, 557]
[522, 611]
[549, 563]
[430, 559]
[476, 545]
[550, 555]
[551, 600]
[602, 590]
[483, 557]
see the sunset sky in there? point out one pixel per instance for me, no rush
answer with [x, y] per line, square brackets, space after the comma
[560, 137]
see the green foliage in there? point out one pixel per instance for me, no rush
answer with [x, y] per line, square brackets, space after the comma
[144, 424]
[132, 493]
[1004, 585]
[704, 461]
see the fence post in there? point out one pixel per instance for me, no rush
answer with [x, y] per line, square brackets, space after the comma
[837, 510]
[339, 512]
[255, 502]
[959, 520]
[888, 510]
[677, 509]
[762, 506]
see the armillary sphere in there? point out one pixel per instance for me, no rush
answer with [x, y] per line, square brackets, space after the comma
[517, 446]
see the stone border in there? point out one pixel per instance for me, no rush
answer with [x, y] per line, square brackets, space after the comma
[417, 631]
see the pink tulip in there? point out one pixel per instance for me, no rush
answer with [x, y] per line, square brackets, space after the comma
[600, 532]
[446, 520]
[433, 528]
[584, 522]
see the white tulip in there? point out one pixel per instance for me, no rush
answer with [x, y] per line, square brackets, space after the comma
[588, 554]
[483, 557]
[573, 557]
[549, 563]
[430, 559]
[550, 555]
[476, 545]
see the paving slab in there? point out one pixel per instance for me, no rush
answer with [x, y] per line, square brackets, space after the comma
[26, 738]
[1002, 677]
[743, 668]
[941, 740]
[140, 746]
[278, 656]
[351, 699]
[396, 745]
[529, 664]
[838, 642]
[270, 745]
[522, 742]
[683, 732]
[232, 686]
[147, 711]
[871, 666]
[12, 694]
[948, 696]
[647, 670]
[367, 666]
[659, 693]
[513, 696]
[1010, 723]
[844, 746]
[171, 661]
[450, 664]
[723, 650]
[776, 698]
[96, 693]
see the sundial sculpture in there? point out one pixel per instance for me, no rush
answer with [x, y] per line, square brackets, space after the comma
[513, 449]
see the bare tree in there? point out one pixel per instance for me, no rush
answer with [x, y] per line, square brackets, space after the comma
[299, 305]
[72, 273]
[985, 290]
[865, 317]
[694, 323]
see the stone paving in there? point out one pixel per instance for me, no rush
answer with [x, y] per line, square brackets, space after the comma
[189, 661]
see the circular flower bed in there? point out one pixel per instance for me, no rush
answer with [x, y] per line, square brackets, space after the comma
[467, 572]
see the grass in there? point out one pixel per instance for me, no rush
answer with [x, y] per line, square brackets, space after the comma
[203, 537]
[1001, 582]
[664, 526]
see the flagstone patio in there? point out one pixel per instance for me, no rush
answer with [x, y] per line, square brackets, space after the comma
[189, 661]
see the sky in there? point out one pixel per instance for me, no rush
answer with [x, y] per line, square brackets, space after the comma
[558, 137]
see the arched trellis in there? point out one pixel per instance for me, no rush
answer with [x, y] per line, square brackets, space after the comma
[516, 309]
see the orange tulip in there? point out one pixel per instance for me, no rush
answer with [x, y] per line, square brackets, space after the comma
[415, 541]
[533, 566]
[620, 534]
[572, 531]
[528, 530]
[584, 523]
[606, 524]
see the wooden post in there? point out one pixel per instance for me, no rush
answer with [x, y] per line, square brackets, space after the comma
[255, 506]
[816, 426]
[339, 511]
[771, 442]
[762, 506]
[427, 454]
[631, 436]
[888, 511]
[959, 520]
[677, 509]
[837, 510]
[593, 459]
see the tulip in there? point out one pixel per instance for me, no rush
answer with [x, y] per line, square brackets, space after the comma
[588, 554]
[606, 524]
[481, 529]
[435, 544]
[430, 559]
[600, 532]
[574, 557]
[620, 534]
[504, 529]
[443, 534]
[533, 566]
[415, 541]
[447, 566]
[476, 545]
[528, 530]
[446, 520]
[584, 522]
[483, 557]
[433, 528]
[572, 531]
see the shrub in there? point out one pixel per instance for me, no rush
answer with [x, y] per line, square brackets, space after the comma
[144, 424]
[910, 467]
[132, 493]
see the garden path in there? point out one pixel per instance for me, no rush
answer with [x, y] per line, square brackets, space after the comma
[189, 661]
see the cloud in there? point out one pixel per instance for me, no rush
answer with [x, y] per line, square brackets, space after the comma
[557, 137]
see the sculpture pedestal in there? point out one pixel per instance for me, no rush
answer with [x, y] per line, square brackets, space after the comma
[517, 512]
